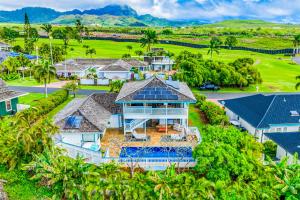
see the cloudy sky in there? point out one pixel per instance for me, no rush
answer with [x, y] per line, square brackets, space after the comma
[271, 10]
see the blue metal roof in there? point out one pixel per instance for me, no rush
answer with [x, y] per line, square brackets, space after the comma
[288, 141]
[260, 111]
[14, 54]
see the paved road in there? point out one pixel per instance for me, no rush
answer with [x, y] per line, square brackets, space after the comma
[297, 60]
[210, 95]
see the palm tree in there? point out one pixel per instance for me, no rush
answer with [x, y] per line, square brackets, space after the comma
[129, 47]
[44, 73]
[24, 62]
[48, 29]
[214, 46]
[139, 52]
[298, 83]
[72, 86]
[90, 52]
[116, 86]
[150, 37]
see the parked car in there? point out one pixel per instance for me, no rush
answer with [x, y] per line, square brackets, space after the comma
[209, 86]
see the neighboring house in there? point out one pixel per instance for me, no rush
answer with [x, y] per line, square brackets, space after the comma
[8, 100]
[84, 121]
[159, 63]
[4, 47]
[105, 68]
[287, 144]
[155, 103]
[261, 114]
[5, 54]
[140, 65]
[119, 70]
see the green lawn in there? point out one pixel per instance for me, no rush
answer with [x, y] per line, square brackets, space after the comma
[94, 87]
[31, 98]
[278, 72]
[27, 81]
[195, 117]
[19, 187]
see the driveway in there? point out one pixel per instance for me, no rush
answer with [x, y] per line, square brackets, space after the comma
[58, 84]
[297, 60]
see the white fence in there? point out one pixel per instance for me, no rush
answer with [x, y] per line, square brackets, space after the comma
[95, 157]
[87, 81]
[102, 81]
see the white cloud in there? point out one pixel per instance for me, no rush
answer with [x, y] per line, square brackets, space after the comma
[180, 9]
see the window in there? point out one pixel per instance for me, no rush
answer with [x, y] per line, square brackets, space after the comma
[278, 129]
[8, 105]
[284, 129]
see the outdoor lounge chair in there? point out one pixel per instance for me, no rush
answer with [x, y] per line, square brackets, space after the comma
[180, 136]
[177, 127]
[139, 136]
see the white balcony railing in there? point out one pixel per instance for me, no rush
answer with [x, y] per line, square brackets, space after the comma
[150, 112]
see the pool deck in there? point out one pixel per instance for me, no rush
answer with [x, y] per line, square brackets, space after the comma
[114, 139]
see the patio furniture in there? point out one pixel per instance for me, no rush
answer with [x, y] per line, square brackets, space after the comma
[139, 136]
[180, 136]
[162, 128]
[177, 127]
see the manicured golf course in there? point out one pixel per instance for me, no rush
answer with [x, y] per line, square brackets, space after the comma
[278, 72]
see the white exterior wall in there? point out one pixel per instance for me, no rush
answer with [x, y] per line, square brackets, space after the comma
[115, 121]
[282, 153]
[102, 81]
[115, 75]
[87, 81]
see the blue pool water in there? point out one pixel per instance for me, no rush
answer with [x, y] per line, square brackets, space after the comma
[156, 152]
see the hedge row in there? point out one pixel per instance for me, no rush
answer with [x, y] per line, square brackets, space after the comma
[214, 113]
[46, 105]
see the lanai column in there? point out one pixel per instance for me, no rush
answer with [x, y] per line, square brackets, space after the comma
[166, 122]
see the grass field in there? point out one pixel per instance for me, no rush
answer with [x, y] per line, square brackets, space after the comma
[278, 72]
[31, 98]
[27, 81]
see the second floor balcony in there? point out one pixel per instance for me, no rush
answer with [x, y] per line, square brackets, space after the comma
[145, 112]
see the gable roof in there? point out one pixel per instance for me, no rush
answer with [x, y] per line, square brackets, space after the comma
[288, 141]
[136, 63]
[117, 66]
[6, 93]
[96, 109]
[262, 111]
[130, 89]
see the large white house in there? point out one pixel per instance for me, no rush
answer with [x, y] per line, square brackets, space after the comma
[146, 115]
[159, 63]
[275, 117]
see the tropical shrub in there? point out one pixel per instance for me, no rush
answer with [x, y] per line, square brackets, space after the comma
[270, 148]
[195, 71]
[10, 77]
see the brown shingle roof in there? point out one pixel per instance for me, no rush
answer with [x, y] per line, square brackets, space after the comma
[96, 110]
[6, 93]
[120, 65]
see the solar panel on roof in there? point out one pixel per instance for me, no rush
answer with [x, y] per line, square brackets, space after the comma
[74, 121]
[149, 97]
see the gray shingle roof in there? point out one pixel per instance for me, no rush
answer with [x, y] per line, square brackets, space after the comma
[96, 110]
[6, 93]
[136, 63]
[261, 111]
[289, 141]
[129, 89]
[119, 65]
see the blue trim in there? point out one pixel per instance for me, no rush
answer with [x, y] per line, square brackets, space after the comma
[121, 102]
[289, 124]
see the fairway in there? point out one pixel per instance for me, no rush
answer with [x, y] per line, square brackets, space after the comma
[278, 72]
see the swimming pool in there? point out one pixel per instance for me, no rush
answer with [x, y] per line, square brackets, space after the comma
[156, 152]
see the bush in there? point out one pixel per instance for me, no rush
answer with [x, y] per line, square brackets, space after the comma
[10, 77]
[270, 149]
[214, 113]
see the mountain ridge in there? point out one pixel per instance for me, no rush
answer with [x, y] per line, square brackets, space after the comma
[118, 11]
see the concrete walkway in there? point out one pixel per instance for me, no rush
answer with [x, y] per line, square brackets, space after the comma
[296, 60]
[58, 84]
